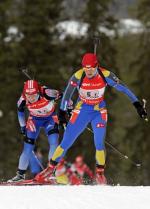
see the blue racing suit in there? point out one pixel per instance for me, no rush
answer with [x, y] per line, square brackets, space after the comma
[41, 115]
[90, 108]
[35, 163]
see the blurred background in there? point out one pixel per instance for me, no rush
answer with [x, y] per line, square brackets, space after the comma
[49, 38]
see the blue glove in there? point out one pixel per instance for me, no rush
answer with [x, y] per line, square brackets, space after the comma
[23, 130]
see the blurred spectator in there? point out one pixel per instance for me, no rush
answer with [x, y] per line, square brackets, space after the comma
[80, 173]
[62, 173]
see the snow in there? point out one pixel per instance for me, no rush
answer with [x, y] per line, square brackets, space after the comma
[74, 197]
[1, 113]
[76, 28]
[133, 26]
[79, 29]
[71, 27]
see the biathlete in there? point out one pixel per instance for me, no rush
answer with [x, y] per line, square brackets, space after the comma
[40, 103]
[91, 81]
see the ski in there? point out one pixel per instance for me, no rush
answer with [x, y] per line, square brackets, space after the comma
[29, 182]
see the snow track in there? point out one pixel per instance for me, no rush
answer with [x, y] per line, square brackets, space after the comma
[74, 197]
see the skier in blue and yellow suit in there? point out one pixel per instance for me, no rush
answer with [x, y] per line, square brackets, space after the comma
[91, 82]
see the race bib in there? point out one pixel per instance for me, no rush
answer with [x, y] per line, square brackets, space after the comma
[91, 94]
[41, 108]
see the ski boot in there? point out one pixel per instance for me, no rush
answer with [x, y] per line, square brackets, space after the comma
[18, 178]
[100, 177]
[47, 175]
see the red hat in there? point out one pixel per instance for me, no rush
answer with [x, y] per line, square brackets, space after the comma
[90, 60]
[31, 87]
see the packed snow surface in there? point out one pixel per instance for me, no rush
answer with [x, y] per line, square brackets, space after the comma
[74, 197]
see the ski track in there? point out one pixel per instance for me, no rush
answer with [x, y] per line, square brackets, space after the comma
[74, 197]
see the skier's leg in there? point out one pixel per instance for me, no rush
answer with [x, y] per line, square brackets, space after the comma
[99, 124]
[99, 128]
[53, 136]
[32, 131]
[75, 127]
[29, 140]
[35, 162]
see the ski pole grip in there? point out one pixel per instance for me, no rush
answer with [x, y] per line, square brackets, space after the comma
[144, 106]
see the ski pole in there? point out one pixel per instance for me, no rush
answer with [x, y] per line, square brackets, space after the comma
[25, 72]
[144, 106]
[96, 40]
[37, 160]
[120, 153]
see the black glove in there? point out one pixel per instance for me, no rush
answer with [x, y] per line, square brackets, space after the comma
[62, 118]
[140, 109]
[70, 108]
[69, 112]
[23, 130]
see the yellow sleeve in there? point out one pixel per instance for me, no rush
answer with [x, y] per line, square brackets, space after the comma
[78, 74]
[106, 73]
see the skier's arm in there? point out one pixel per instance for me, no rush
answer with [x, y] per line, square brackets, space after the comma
[114, 81]
[50, 94]
[21, 113]
[67, 95]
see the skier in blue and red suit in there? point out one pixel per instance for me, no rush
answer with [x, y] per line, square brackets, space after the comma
[40, 103]
[91, 82]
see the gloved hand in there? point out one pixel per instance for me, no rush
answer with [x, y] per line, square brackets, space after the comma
[62, 118]
[140, 109]
[69, 112]
[23, 130]
[70, 108]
